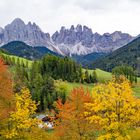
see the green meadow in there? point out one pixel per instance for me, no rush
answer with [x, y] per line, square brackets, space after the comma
[102, 77]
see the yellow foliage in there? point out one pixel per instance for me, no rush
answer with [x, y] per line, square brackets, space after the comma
[39, 134]
[61, 86]
[114, 109]
[135, 135]
[21, 119]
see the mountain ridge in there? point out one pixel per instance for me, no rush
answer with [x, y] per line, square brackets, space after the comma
[126, 55]
[79, 40]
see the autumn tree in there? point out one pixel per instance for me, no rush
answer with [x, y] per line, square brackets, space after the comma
[21, 120]
[6, 92]
[39, 134]
[114, 109]
[72, 124]
[135, 135]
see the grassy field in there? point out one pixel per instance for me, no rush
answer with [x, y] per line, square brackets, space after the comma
[138, 79]
[102, 77]
[136, 88]
[20, 59]
[137, 91]
[74, 85]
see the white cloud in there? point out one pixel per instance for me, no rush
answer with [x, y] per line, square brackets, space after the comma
[100, 15]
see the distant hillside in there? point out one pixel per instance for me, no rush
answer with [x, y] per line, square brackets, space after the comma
[128, 54]
[86, 60]
[21, 49]
[43, 51]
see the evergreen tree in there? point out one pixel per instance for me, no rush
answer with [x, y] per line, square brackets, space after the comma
[127, 71]
[94, 77]
[87, 78]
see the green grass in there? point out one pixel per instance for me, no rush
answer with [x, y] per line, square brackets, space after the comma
[102, 76]
[136, 90]
[20, 59]
[74, 85]
[138, 80]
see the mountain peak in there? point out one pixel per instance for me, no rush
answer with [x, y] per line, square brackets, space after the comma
[79, 28]
[62, 29]
[78, 39]
[81, 40]
[72, 28]
[1, 30]
[29, 33]
[106, 34]
[117, 33]
[18, 21]
[29, 23]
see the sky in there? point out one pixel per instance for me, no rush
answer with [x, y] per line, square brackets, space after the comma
[100, 15]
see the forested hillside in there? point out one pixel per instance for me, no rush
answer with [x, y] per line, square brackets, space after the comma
[21, 49]
[40, 77]
[127, 55]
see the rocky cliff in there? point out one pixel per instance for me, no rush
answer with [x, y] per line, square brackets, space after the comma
[79, 40]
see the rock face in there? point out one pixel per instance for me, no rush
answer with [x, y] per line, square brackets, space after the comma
[81, 40]
[31, 34]
[78, 40]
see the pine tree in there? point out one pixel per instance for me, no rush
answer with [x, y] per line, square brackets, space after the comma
[87, 78]
[94, 76]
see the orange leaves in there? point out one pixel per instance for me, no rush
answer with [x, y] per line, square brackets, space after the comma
[74, 104]
[80, 94]
[72, 123]
[2, 65]
[6, 91]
